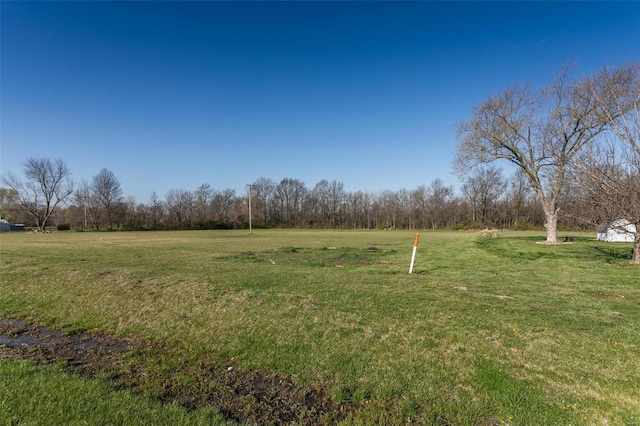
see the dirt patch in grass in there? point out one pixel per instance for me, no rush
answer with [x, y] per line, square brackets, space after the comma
[604, 295]
[256, 397]
[83, 352]
[248, 396]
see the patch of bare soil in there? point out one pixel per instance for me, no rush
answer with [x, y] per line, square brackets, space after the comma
[251, 396]
[256, 397]
[604, 295]
[86, 354]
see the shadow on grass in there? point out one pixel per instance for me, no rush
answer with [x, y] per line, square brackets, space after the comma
[611, 254]
[316, 257]
[529, 249]
[541, 238]
[517, 397]
[427, 271]
[519, 248]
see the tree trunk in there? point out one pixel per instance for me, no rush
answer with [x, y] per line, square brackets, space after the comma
[551, 225]
[635, 257]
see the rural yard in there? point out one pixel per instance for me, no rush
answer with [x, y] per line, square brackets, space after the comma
[320, 213]
[317, 327]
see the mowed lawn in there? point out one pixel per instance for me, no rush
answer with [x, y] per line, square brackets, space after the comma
[485, 331]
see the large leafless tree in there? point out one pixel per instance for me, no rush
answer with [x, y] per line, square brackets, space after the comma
[625, 123]
[609, 174]
[607, 181]
[107, 193]
[47, 184]
[541, 130]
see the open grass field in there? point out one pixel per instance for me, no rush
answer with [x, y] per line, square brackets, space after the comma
[327, 327]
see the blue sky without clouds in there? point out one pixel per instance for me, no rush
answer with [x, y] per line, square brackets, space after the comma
[176, 94]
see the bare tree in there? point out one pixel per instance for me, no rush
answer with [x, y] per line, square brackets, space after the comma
[262, 191]
[179, 205]
[289, 195]
[403, 203]
[540, 131]
[358, 206]
[92, 211]
[107, 193]
[438, 198]
[48, 184]
[625, 122]
[519, 202]
[336, 200]
[608, 178]
[609, 174]
[155, 212]
[325, 201]
[7, 202]
[317, 204]
[203, 196]
[483, 188]
[419, 206]
[135, 215]
[224, 205]
[387, 207]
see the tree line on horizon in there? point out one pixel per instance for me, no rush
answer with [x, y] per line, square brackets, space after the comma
[488, 199]
[575, 144]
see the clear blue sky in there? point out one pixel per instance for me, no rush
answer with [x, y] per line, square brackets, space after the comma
[176, 94]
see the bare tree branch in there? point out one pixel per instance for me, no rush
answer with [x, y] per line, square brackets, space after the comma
[541, 131]
[48, 184]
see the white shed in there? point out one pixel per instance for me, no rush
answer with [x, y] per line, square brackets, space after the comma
[620, 230]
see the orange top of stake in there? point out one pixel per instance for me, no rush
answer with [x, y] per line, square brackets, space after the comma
[415, 242]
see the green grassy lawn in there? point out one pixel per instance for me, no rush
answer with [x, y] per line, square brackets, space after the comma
[486, 330]
[35, 395]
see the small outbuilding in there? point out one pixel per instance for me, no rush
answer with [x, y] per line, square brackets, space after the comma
[620, 230]
[6, 226]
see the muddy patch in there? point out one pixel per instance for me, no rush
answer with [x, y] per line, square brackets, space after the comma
[88, 354]
[247, 396]
[256, 397]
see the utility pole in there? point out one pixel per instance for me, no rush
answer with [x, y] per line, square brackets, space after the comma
[249, 186]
